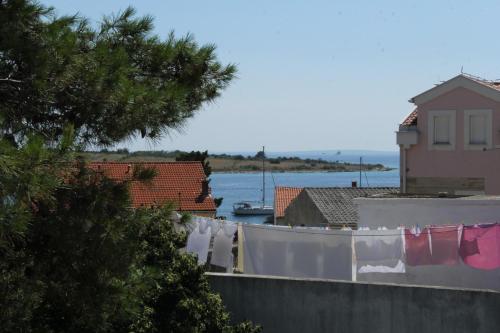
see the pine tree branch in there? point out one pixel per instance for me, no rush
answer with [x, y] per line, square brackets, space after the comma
[10, 80]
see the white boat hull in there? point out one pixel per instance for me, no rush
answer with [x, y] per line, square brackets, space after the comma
[266, 210]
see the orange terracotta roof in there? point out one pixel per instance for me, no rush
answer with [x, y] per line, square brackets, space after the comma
[177, 182]
[283, 196]
[411, 119]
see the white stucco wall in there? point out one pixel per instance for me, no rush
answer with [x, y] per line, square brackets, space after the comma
[393, 212]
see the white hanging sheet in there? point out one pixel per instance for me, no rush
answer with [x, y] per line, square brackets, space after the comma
[223, 244]
[199, 240]
[298, 252]
[379, 251]
[215, 225]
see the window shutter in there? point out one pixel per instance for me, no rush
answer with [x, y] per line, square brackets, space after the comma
[477, 129]
[441, 130]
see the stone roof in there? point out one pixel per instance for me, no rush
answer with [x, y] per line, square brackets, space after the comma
[178, 182]
[282, 198]
[336, 203]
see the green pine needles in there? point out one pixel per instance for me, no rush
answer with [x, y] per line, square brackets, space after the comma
[112, 82]
[74, 257]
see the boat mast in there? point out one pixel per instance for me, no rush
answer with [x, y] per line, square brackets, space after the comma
[263, 178]
[360, 168]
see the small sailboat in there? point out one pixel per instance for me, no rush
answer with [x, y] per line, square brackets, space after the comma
[253, 208]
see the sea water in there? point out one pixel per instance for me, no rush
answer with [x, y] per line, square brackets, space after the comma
[235, 187]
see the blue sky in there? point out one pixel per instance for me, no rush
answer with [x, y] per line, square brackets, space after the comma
[318, 74]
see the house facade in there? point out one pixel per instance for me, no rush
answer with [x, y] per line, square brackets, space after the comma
[183, 184]
[451, 141]
[331, 207]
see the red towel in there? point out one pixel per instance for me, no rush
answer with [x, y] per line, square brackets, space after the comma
[417, 248]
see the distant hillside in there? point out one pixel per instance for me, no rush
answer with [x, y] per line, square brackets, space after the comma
[236, 163]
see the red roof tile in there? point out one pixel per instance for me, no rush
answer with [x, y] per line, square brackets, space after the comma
[283, 196]
[411, 119]
[177, 182]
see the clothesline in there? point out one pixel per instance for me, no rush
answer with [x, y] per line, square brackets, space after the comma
[332, 232]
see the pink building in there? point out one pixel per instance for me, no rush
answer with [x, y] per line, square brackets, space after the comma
[451, 141]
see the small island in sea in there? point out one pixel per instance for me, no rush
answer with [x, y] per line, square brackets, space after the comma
[237, 163]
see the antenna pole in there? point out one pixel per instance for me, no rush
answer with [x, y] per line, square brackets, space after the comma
[263, 177]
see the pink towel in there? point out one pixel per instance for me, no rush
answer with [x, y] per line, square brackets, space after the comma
[480, 246]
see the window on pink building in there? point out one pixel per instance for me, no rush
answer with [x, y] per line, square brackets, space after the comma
[441, 130]
[477, 124]
[478, 129]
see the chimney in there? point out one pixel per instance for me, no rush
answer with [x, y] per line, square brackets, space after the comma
[354, 184]
[204, 187]
[129, 167]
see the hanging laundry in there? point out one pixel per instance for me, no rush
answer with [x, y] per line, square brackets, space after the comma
[199, 240]
[480, 246]
[444, 244]
[297, 252]
[380, 251]
[223, 245]
[215, 226]
[307, 258]
[399, 268]
[417, 247]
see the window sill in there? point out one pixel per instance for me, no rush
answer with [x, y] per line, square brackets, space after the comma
[477, 147]
[442, 146]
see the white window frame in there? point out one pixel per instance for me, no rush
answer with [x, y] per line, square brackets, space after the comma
[452, 114]
[489, 129]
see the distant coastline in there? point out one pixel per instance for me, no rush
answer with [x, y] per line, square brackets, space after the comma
[224, 163]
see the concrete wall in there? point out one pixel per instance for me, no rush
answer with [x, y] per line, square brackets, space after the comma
[393, 212]
[299, 305]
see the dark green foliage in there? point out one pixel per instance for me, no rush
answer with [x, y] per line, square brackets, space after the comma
[111, 83]
[218, 202]
[157, 153]
[74, 257]
[142, 173]
[122, 151]
[260, 155]
[201, 157]
[197, 156]
[29, 174]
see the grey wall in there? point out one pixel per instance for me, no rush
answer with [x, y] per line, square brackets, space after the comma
[299, 305]
[393, 212]
[303, 211]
